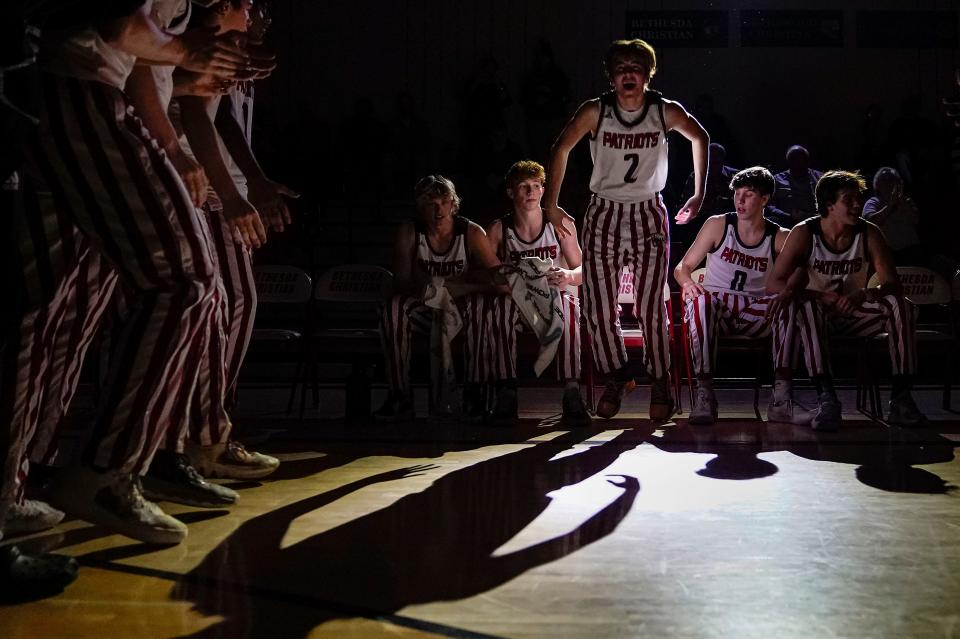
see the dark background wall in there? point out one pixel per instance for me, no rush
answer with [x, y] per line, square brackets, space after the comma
[334, 54]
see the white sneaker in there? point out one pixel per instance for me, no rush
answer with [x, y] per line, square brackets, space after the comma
[788, 411]
[704, 410]
[31, 516]
[230, 460]
[113, 500]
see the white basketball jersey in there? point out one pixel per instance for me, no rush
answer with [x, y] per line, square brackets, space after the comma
[448, 263]
[629, 151]
[513, 248]
[838, 271]
[735, 267]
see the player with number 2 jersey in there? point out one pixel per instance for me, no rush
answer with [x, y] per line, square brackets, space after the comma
[626, 222]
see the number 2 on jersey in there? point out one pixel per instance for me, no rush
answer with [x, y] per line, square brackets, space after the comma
[631, 175]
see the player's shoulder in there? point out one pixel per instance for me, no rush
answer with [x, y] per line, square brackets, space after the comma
[470, 227]
[714, 228]
[496, 226]
[590, 107]
[870, 229]
[807, 228]
[716, 221]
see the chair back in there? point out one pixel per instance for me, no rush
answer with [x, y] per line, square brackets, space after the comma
[278, 284]
[697, 275]
[358, 283]
[920, 285]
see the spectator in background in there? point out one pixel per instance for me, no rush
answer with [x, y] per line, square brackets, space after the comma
[794, 196]
[896, 215]
[718, 199]
[716, 125]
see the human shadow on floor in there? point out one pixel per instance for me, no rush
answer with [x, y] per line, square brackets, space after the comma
[433, 545]
[416, 443]
[736, 445]
[885, 456]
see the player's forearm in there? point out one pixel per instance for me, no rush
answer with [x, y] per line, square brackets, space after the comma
[141, 89]
[886, 288]
[789, 282]
[236, 143]
[576, 275]
[203, 141]
[682, 274]
[700, 145]
[556, 170]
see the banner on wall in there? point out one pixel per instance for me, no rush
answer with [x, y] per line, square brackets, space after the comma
[907, 29]
[680, 28]
[762, 28]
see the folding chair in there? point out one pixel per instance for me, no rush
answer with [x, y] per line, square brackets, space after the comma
[282, 322]
[348, 300]
[928, 290]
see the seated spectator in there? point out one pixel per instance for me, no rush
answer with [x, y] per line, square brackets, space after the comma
[794, 196]
[717, 200]
[896, 215]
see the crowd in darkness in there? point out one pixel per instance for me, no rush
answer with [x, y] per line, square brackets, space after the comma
[497, 124]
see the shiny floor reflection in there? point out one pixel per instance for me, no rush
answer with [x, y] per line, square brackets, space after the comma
[745, 528]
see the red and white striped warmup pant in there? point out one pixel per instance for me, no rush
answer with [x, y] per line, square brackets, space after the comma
[98, 187]
[402, 316]
[615, 234]
[723, 313]
[208, 421]
[506, 323]
[890, 314]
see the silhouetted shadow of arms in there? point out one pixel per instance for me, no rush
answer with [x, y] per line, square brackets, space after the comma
[598, 526]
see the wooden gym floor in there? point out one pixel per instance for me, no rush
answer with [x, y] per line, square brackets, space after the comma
[744, 529]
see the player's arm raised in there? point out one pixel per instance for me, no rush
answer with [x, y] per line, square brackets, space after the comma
[707, 239]
[584, 122]
[677, 119]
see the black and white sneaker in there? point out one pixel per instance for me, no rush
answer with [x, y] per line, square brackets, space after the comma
[172, 478]
[26, 577]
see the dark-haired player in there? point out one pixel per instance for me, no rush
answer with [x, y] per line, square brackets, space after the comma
[825, 265]
[740, 249]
